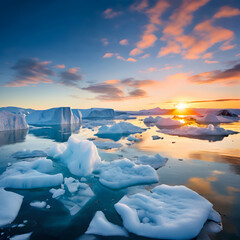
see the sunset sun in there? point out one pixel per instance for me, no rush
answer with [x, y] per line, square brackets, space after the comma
[181, 106]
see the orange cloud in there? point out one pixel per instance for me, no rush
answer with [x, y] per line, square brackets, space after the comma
[131, 60]
[135, 51]
[153, 69]
[226, 12]
[209, 62]
[108, 55]
[110, 13]
[207, 55]
[145, 55]
[139, 6]
[172, 47]
[123, 42]
[60, 66]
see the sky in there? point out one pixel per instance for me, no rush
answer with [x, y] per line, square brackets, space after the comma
[122, 54]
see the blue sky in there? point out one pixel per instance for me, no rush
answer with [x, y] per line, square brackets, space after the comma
[121, 54]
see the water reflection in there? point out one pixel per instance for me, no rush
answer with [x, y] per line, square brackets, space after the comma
[13, 136]
[58, 133]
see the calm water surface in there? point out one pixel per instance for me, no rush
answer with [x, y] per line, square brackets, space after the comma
[210, 167]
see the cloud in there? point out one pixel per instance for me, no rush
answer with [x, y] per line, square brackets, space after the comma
[229, 76]
[131, 59]
[145, 56]
[139, 5]
[153, 69]
[105, 41]
[70, 77]
[207, 55]
[209, 62]
[110, 13]
[30, 71]
[108, 55]
[226, 12]
[119, 90]
[123, 42]
[215, 100]
[60, 66]
[135, 51]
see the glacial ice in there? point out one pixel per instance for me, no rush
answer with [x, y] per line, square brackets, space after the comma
[80, 156]
[167, 212]
[10, 204]
[25, 236]
[101, 226]
[27, 175]
[54, 116]
[97, 113]
[151, 119]
[133, 139]
[167, 122]
[155, 161]
[11, 121]
[38, 204]
[27, 153]
[124, 173]
[208, 118]
[107, 145]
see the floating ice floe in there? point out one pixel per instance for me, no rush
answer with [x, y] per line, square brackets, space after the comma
[210, 130]
[10, 204]
[25, 236]
[156, 137]
[27, 175]
[125, 117]
[107, 145]
[95, 123]
[167, 212]
[54, 116]
[124, 173]
[38, 204]
[167, 122]
[208, 118]
[133, 139]
[120, 128]
[80, 156]
[74, 195]
[101, 226]
[11, 121]
[155, 161]
[151, 119]
[26, 153]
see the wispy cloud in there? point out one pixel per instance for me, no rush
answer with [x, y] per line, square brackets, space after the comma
[229, 76]
[70, 77]
[210, 62]
[226, 12]
[105, 41]
[154, 69]
[109, 55]
[215, 100]
[30, 71]
[60, 66]
[139, 5]
[110, 13]
[145, 56]
[124, 42]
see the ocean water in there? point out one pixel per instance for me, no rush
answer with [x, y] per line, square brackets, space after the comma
[209, 166]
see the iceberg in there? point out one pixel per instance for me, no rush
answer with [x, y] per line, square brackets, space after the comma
[210, 130]
[107, 145]
[90, 124]
[54, 116]
[167, 122]
[124, 173]
[10, 204]
[11, 121]
[28, 175]
[155, 161]
[97, 113]
[74, 195]
[119, 128]
[80, 156]
[17, 110]
[209, 118]
[101, 226]
[167, 212]
[26, 153]
[151, 119]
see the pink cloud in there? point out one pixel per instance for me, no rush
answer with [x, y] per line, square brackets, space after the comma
[123, 42]
[153, 69]
[108, 55]
[60, 66]
[209, 62]
[145, 56]
[105, 41]
[226, 12]
[110, 13]
[131, 60]
[139, 6]
[135, 51]
[207, 55]
[172, 47]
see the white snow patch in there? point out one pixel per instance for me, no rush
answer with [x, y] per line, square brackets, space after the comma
[38, 204]
[10, 204]
[167, 212]
[101, 226]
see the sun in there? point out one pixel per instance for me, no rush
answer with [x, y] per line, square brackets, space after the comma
[181, 106]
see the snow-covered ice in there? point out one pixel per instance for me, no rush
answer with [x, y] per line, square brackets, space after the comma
[80, 156]
[210, 130]
[120, 128]
[27, 153]
[101, 226]
[38, 204]
[124, 173]
[97, 113]
[27, 175]
[54, 116]
[10, 204]
[167, 212]
[25, 236]
[11, 121]
[167, 122]
[155, 161]
[107, 145]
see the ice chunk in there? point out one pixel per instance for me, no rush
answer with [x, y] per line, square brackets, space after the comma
[167, 122]
[210, 130]
[155, 161]
[98, 113]
[38, 204]
[107, 145]
[167, 212]
[133, 139]
[80, 156]
[26, 153]
[151, 119]
[11, 121]
[27, 175]
[56, 192]
[120, 128]
[95, 123]
[208, 118]
[101, 226]
[124, 173]
[54, 116]
[24, 236]
[10, 204]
